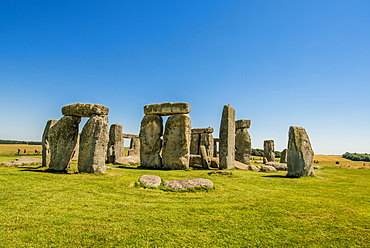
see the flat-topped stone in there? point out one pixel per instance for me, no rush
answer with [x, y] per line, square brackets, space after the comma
[202, 130]
[184, 184]
[242, 124]
[85, 109]
[129, 136]
[150, 180]
[167, 108]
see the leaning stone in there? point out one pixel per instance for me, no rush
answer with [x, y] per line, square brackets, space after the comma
[205, 158]
[278, 166]
[45, 143]
[242, 124]
[300, 153]
[176, 142]
[93, 145]
[227, 138]
[85, 109]
[128, 160]
[269, 150]
[188, 183]
[167, 108]
[63, 137]
[115, 148]
[151, 131]
[240, 166]
[150, 180]
[254, 168]
[267, 168]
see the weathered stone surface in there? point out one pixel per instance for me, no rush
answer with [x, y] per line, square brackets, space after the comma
[202, 137]
[242, 124]
[134, 147]
[22, 160]
[227, 138]
[267, 168]
[300, 153]
[188, 183]
[167, 108]
[206, 140]
[243, 145]
[318, 167]
[150, 180]
[195, 160]
[93, 145]
[240, 166]
[45, 143]
[283, 156]
[269, 150]
[205, 158]
[202, 130]
[194, 143]
[77, 149]
[151, 131]
[128, 160]
[62, 141]
[254, 167]
[115, 148]
[85, 109]
[278, 166]
[129, 136]
[220, 173]
[215, 147]
[176, 142]
[215, 162]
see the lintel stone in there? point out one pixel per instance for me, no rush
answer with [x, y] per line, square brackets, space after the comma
[167, 108]
[129, 136]
[85, 109]
[242, 124]
[202, 130]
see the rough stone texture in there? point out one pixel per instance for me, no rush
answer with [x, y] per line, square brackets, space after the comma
[220, 173]
[151, 131]
[202, 137]
[267, 168]
[240, 166]
[77, 148]
[188, 183]
[254, 167]
[202, 130]
[278, 166]
[134, 147]
[45, 143]
[128, 160]
[115, 147]
[206, 140]
[300, 153]
[167, 108]
[243, 143]
[242, 124]
[283, 156]
[317, 167]
[85, 109]
[93, 145]
[194, 143]
[215, 162]
[227, 138]
[176, 142]
[22, 161]
[205, 158]
[215, 147]
[150, 180]
[62, 141]
[129, 136]
[195, 160]
[269, 150]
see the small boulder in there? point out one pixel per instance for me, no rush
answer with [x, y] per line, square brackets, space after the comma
[184, 184]
[240, 166]
[317, 167]
[128, 160]
[254, 167]
[150, 180]
[278, 166]
[267, 168]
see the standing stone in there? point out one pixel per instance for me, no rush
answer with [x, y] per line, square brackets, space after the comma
[269, 150]
[300, 153]
[62, 140]
[77, 148]
[93, 145]
[202, 137]
[227, 138]
[243, 143]
[134, 146]
[194, 143]
[45, 143]
[115, 145]
[151, 131]
[283, 156]
[176, 142]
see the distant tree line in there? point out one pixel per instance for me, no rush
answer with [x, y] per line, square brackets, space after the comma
[8, 142]
[259, 152]
[356, 156]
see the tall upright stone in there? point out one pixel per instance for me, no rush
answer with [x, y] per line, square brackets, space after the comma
[45, 143]
[93, 145]
[151, 131]
[202, 137]
[115, 148]
[227, 138]
[269, 150]
[300, 153]
[283, 156]
[62, 140]
[134, 146]
[243, 143]
[176, 142]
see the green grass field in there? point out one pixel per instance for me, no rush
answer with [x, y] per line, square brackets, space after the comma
[41, 209]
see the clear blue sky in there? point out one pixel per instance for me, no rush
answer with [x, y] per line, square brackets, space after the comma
[278, 63]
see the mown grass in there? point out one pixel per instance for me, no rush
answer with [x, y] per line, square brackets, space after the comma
[40, 209]
[12, 149]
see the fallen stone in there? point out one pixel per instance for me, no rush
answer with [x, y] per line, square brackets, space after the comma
[278, 166]
[85, 109]
[22, 161]
[220, 172]
[184, 184]
[128, 160]
[240, 166]
[150, 180]
[167, 108]
[267, 168]
[318, 167]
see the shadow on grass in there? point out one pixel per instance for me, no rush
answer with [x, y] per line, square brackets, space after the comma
[278, 176]
[45, 170]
